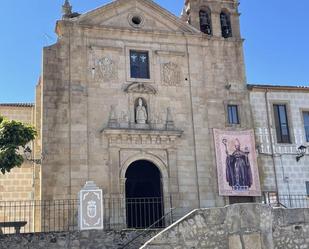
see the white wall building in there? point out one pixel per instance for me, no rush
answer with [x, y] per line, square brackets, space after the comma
[283, 110]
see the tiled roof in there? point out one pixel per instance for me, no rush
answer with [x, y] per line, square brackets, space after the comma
[277, 87]
[17, 104]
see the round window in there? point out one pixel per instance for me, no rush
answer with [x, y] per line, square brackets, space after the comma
[136, 20]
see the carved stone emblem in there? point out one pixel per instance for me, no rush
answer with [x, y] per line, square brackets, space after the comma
[90, 212]
[171, 74]
[92, 209]
[140, 88]
[107, 69]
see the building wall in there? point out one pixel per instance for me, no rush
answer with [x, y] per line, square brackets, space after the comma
[18, 184]
[291, 175]
[79, 143]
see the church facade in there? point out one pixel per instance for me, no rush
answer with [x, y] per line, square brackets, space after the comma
[150, 105]
[128, 83]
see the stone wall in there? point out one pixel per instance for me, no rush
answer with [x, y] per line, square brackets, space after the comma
[75, 240]
[246, 226]
[17, 185]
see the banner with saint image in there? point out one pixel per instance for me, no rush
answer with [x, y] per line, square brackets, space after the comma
[237, 167]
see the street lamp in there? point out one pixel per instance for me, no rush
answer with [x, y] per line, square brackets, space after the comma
[301, 152]
[28, 156]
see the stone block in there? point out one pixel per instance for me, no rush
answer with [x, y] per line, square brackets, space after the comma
[252, 241]
[235, 242]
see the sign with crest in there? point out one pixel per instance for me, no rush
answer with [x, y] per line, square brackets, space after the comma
[90, 207]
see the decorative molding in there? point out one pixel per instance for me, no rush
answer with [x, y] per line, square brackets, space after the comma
[109, 48]
[143, 88]
[171, 74]
[170, 53]
[130, 137]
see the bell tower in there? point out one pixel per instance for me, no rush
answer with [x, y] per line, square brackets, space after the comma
[217, 18]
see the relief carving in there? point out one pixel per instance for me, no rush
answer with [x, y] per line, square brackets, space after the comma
[171, 74]
[140, 88]
[107, 69]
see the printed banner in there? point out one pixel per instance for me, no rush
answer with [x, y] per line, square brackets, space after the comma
[237, 167]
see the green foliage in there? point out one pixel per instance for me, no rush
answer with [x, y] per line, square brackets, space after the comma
[13, 135]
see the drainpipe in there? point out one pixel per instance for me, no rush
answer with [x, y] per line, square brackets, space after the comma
[193, 126]
[271, 141]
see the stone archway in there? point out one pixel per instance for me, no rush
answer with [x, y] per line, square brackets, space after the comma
[144, 195]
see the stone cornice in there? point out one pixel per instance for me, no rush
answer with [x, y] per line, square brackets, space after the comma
[141, 137]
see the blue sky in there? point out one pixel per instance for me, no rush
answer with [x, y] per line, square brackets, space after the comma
[276, 46]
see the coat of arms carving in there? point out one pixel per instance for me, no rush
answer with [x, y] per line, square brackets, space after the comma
[171, 74]
[107, 69]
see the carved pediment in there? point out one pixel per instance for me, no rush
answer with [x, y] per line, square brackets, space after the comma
[144, 88]
[119, 13]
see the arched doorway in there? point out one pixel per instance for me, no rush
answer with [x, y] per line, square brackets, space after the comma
[144, 198]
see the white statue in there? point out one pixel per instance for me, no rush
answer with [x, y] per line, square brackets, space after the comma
[141, 113]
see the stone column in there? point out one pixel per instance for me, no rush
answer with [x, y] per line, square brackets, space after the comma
[173, 176]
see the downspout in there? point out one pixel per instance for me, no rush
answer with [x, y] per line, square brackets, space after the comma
[193, 125]
[271, 141]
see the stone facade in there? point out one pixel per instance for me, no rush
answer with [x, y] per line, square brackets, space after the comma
[19, 183]
[281, 157]
[246, 226]
[88, 116]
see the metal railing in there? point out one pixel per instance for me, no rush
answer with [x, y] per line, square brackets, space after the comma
[62, 215]
[40, 216]
[168, 219]
[287, 201]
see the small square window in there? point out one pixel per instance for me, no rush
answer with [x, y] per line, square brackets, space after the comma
[233, 114]
[139, 64]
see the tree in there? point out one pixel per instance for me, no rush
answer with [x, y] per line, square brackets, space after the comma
[13, 136]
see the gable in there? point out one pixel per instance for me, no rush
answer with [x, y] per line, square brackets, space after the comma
[120, 13]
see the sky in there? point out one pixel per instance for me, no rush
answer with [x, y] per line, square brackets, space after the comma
[275, 32]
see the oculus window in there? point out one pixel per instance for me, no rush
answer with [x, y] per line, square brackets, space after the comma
[282, 125]
[233, 114]
[139, 64]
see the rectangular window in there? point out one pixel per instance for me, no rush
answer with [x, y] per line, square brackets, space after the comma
[233, 114]
[306, 124]
[307, 188]
[139, 64]
[282, 125]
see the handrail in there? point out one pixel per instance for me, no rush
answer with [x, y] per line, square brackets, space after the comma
[146, 230]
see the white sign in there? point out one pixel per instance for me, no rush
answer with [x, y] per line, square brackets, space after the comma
[90, 207]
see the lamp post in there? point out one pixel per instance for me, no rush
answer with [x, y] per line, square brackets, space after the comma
[28, 156]
[301, 152]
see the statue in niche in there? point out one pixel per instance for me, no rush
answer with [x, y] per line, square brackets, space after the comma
[141, 112]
